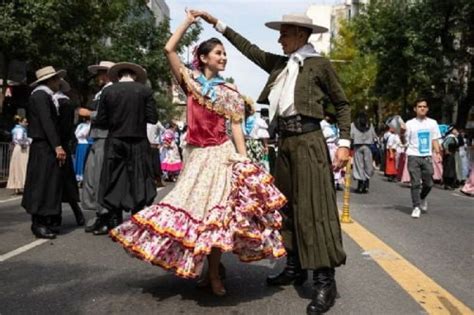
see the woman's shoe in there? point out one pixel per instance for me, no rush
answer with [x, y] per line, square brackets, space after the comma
[204, 281]
[217, 287]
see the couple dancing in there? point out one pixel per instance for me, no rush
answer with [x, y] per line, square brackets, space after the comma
[224, 203]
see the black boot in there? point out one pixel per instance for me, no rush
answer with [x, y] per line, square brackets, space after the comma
[365, 186]
[102, 225]
[39, 228]
[292, 274]
[53, 223]
[360, 185]
[92, 224]
[325, 291]
[109, 222]
[77, 213]
[115, 219]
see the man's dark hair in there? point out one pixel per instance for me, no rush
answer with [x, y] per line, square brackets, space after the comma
[305, 30]
[124, 72]
[421, 99]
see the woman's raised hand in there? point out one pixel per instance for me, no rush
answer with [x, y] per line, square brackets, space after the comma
[191, 16]
[205, 16]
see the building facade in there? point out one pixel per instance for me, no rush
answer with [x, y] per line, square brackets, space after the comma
[160, 10]
[331, 17]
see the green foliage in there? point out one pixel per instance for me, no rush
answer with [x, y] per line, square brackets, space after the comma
[229, 80]
[72, 34]
[356, 70]
[414, 43]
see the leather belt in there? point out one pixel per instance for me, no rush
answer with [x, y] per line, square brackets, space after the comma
[297, 125]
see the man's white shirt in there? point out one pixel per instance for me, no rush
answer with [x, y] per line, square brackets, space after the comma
[419, 135]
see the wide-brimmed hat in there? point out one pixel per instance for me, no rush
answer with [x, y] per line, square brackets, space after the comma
[64, 86]
[248, 101]
[46, 73]
[137, 69]
[297, 19]
[450, 129]
[103, 65]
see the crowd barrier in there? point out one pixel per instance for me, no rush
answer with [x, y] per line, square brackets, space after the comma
[5, 154]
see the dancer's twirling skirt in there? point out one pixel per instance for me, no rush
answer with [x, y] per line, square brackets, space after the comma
[220, 201]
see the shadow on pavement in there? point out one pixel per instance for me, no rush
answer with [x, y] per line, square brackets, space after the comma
[404, 209]
[244, 285]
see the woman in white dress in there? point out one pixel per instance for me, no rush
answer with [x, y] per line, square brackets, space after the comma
[19, 159]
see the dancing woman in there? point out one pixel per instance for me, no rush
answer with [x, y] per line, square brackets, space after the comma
[221, 202]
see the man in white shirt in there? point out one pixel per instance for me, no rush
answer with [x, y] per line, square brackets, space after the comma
[421, 135]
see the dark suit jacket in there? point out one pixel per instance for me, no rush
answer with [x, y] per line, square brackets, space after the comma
[125, 108]
[43, 119]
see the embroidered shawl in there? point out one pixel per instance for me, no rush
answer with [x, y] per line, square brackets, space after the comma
[229, 103]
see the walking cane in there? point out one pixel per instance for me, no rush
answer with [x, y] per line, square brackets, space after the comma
[346, 215]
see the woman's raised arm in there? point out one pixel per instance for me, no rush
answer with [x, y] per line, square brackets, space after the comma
[172, 44]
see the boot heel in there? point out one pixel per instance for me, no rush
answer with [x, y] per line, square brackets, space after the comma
[300, 280]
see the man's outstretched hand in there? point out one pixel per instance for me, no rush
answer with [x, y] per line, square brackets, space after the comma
[205, 16]
[341, 158]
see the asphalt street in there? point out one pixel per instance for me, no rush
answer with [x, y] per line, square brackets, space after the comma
[79, 273]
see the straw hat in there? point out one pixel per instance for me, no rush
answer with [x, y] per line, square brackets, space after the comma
[64, 86]
[138, 70]
[297, 19]
[46, 73]
[248, 101]
[103, 65]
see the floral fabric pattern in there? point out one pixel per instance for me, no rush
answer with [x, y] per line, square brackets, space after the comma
[228, 102]
[222, 200]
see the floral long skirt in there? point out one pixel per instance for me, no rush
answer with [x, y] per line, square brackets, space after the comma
[221, 200]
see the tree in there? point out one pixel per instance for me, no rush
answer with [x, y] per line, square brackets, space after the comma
[357, 71]
[421, 46]
[72, 34]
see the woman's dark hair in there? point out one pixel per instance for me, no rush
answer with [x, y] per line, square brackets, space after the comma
[18, 119]
[362, 122]
[205, 48]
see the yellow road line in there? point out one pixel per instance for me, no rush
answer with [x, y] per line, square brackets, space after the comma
[430, 295]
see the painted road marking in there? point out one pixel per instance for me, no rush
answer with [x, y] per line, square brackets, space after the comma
[430, 295]
[22, 249]
[10, 199]
[32, 245]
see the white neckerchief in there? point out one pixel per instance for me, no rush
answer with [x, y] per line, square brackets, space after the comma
[50, 92]
[44, 88]
[126, 78]
[56, 97]
[98, 94]
[282, 94]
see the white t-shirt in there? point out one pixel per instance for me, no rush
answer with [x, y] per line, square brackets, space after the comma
[420, 134]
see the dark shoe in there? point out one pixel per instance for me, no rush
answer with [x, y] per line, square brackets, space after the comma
[53, 223]
[115, 220]
[365, 186]
[101, 230]
[42, 232]
[92, 224]
[359, 187]
[325, 292]
[292, 274]
[80, 221]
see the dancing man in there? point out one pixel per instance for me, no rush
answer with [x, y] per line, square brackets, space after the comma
[295, 90]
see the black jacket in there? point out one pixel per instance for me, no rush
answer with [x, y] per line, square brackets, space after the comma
[43, 119]
[125, 108]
